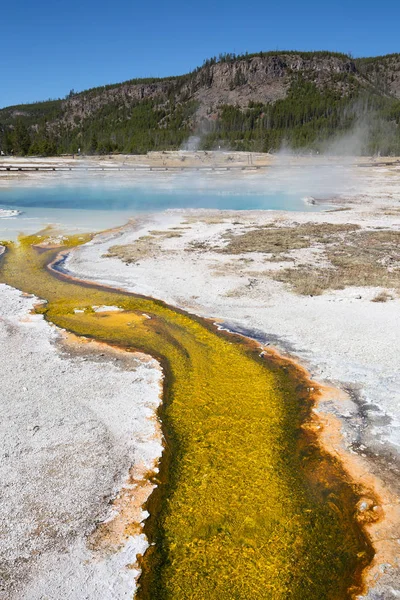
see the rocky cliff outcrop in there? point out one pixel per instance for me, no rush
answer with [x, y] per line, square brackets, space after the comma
[258, 79]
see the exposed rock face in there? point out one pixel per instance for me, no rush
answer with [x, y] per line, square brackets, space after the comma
[260, 70]
[126, 94]
[262, 79]
[259, 79]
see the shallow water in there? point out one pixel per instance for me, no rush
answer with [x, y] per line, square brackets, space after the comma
[89, 204]
[35, 219]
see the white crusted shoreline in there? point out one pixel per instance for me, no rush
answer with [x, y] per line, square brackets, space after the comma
[8, 214]
[77, 420]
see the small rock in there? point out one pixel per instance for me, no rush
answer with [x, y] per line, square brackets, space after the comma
[33, 428]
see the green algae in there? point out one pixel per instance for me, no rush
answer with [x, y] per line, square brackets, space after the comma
[247, 505]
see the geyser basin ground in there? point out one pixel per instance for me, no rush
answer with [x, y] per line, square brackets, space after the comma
[246, 501]
[75, 419]
[341, 334]
[344, 335]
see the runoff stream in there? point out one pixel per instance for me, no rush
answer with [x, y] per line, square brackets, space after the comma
[247, 504]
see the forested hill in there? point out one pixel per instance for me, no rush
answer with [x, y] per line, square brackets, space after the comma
[251, 102]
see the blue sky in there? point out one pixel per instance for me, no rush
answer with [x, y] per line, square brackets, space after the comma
[49, 47]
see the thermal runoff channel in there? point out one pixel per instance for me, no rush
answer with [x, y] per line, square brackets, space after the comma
[246, 503]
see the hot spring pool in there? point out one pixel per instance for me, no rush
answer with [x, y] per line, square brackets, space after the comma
[95, 205]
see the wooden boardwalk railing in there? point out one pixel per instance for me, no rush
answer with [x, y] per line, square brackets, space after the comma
[26, 168]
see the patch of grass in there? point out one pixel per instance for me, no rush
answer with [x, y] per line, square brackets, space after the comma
[369, 258]
[165, 234]
[340, 209]
[277, 240]
[198, 245]
[211, 220]
[392, 212]
[382, 297]
[234, 293]
[279, 258]
[144, 247]
[308, 281]
[362, 258]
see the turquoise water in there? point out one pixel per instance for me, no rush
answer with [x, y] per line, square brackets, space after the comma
[88, 206]
[147, 199]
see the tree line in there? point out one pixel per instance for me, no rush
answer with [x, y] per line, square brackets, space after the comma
[305, 119]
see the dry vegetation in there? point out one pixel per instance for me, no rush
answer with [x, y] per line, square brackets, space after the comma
[165, 234]
[144, 247]
[208, 220]
[351, 256]
[347, 255]
[365, 258]
[198, 246]
[276, 240]
[340, 209]
[393, 211]
[382, 297]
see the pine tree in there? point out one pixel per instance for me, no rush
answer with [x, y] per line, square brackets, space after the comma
[22, 140]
